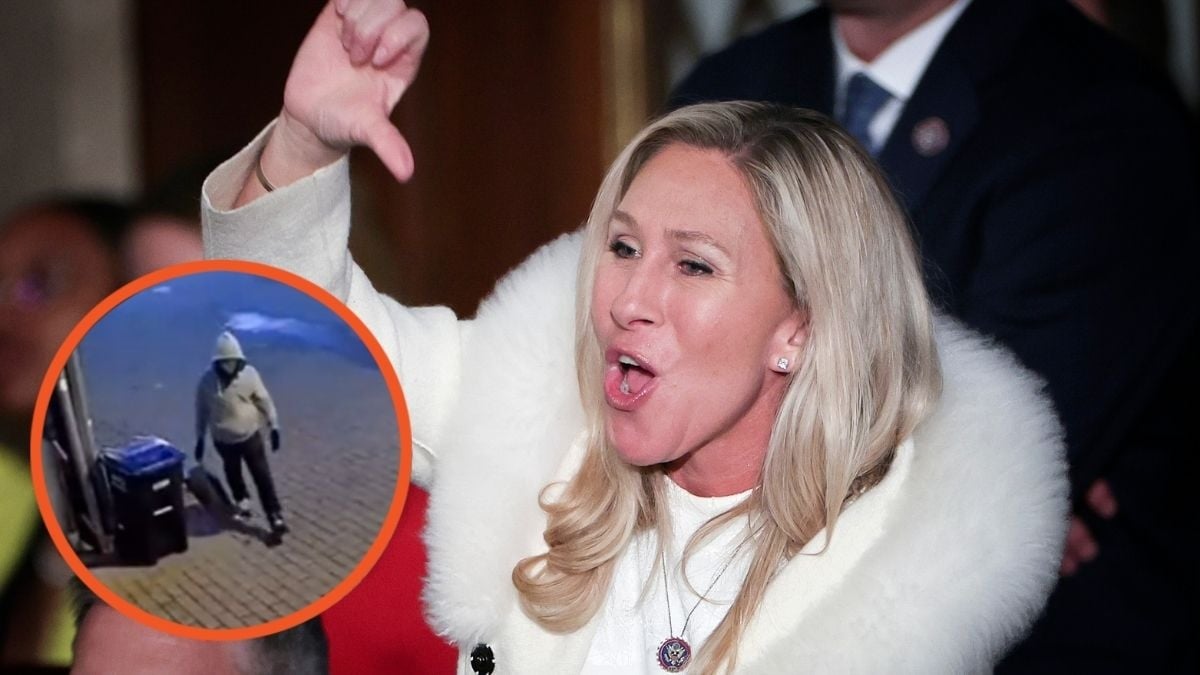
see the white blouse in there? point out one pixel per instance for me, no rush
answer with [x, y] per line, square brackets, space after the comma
[632, 625]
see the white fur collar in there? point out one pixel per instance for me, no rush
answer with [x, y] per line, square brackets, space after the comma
[964, 559]
[518, 412]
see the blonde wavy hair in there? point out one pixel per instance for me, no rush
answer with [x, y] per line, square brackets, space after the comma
[867, 376]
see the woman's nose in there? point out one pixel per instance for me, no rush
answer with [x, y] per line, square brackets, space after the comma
[640, 299]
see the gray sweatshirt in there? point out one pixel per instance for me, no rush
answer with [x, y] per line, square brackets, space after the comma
[235, 412]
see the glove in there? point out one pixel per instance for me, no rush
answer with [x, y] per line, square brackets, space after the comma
[200, 450]
[275, 442]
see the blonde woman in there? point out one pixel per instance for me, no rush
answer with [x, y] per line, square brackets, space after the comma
[740, 445]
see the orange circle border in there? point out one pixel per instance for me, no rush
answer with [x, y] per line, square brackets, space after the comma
[404, 432]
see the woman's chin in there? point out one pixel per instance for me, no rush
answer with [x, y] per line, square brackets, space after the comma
[634, 449]
[638, 459]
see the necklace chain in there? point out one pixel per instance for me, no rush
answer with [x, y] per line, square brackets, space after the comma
[711, 584]
[674, 654]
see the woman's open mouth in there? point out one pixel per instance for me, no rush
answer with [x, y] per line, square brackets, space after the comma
[628, 380]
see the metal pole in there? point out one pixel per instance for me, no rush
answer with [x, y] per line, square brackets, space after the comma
[81, 448]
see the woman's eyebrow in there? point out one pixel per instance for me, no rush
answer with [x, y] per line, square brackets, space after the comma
[626, 218]
[698, 237]
[678, 235]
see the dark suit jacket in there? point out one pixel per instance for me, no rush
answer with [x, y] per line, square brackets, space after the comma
[1062, 218]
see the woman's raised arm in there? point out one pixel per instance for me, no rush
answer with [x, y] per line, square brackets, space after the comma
[352, 68]
[355, 63]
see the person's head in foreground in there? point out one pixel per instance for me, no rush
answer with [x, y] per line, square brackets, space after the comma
[110, 642]
[752, 317]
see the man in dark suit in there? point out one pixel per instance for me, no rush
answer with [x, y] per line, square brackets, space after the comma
[1053, 186]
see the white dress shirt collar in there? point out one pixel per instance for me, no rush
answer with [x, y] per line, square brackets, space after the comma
[898, 69]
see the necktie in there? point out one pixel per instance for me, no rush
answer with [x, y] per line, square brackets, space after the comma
[864, 98]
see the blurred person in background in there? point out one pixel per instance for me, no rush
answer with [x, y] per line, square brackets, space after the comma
[59, 257]
[156, 240]
[1052, 181]
[166, 228]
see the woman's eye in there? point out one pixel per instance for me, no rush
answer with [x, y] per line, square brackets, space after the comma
[622, 250]
[695, 268]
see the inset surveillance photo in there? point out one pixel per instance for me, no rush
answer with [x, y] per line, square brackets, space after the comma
[221, 449]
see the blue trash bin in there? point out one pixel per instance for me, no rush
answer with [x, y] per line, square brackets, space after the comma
[145, 477]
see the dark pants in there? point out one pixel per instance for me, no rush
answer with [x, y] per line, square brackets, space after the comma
[255, 455]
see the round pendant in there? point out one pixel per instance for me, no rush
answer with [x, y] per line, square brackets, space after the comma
[674, 654]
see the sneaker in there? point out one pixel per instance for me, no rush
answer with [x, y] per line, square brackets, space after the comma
[243, 510]
[277, 524]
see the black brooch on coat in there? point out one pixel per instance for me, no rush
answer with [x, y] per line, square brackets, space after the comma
[483, 661]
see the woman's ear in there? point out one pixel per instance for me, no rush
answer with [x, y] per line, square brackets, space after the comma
[789, 342]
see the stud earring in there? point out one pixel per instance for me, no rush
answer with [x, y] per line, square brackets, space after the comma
[783, 363]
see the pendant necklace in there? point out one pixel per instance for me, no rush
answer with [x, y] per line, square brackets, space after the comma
[675, 653]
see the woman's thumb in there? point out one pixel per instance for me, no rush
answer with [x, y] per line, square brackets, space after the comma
[391, 148]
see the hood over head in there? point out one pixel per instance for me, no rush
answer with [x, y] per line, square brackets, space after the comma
[227, 348]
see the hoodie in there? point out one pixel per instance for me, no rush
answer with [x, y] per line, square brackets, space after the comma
[232, 411]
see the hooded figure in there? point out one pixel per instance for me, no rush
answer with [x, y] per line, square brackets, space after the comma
[232, 403]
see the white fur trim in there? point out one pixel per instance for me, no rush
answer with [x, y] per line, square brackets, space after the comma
[518, 413]
[973, 542]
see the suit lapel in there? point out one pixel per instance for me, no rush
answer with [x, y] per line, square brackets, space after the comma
[940, 115]
[945, 108]
[944, 101]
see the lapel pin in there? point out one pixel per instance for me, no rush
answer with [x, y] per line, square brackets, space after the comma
[930, 136]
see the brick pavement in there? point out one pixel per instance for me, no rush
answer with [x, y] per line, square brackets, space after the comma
[335, 476]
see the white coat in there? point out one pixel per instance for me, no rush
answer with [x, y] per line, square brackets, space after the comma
[938, 569]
